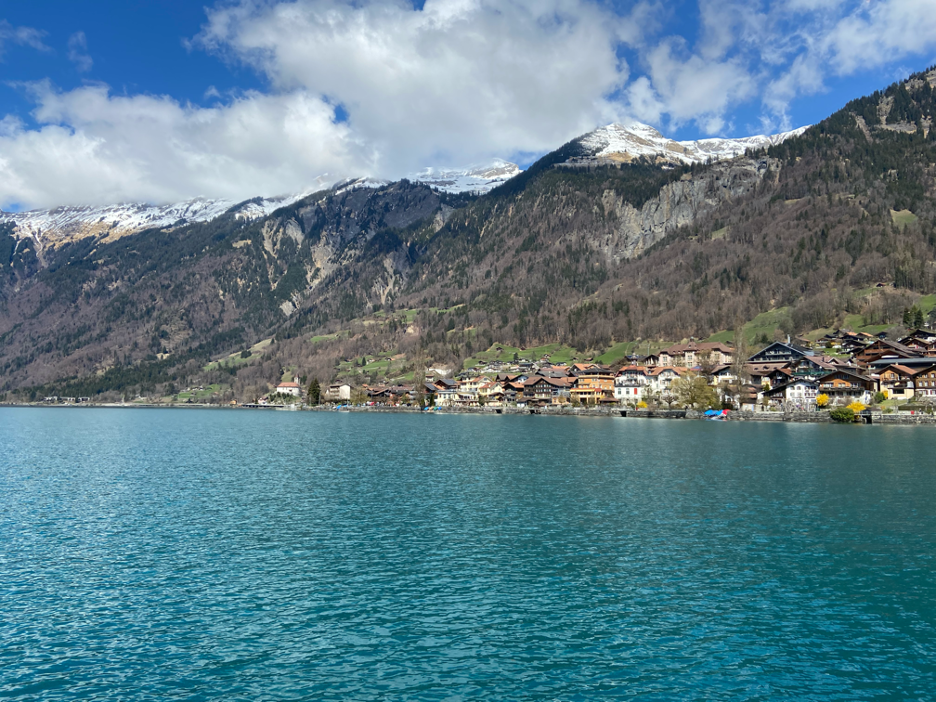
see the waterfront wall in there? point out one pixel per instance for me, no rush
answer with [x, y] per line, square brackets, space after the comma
[819, 417]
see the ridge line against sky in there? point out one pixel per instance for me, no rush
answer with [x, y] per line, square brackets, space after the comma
[163, 100]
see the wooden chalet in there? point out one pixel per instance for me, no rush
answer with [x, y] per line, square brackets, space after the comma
[378, 393]
[540, 390]
[845, 387]
[758, 372]
[442, 384]
[779, 377]
[882, 348]
[924, 382]
[922, 340]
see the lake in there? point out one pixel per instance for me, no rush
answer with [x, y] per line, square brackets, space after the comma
[239, 555]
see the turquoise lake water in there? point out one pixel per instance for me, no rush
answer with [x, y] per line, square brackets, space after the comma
[237, 555]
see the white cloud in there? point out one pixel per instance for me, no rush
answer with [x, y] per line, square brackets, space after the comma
[693, 88]
[776, 52]
[78, 52]
[93, 147]
[801, 44]
[880, 32]
[644, 101]
[804, 77]
[460, 81]
[21, 36]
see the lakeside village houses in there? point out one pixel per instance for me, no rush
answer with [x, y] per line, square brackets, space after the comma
[788, 376]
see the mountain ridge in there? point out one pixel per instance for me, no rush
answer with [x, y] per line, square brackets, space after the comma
[614, 143]
[625, 143]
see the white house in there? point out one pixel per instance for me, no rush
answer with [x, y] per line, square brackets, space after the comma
[662, 377]
[801, 394]
[339, 391]
[688, 355]
[292, 388]
[631, 384]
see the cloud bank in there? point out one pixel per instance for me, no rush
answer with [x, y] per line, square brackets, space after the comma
[376, 87]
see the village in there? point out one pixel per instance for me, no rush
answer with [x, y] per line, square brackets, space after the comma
[843, 369]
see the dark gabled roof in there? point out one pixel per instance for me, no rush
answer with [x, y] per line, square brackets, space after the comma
[801, 350]
[764, 368]
[896, 346]
[901, 370]
[846, 372]
[555, 382]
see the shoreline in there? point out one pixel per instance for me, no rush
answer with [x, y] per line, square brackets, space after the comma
[815, 417]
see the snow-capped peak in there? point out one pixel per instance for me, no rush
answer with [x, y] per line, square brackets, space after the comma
[617, 142]
[69, 223]
[478, 179]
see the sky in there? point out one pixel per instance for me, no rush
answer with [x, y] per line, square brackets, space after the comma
[165, 100]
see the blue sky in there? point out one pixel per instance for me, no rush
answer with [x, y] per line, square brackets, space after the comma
[163, 100]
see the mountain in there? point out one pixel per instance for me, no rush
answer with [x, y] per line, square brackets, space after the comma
[613, 143]
[835, 225]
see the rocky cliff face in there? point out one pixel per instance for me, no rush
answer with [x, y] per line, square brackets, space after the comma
[348, 236]
[678, 204]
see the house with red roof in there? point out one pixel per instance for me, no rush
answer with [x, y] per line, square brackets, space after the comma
[290, 388]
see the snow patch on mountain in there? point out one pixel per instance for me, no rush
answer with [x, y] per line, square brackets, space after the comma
[70, 223]
[477, 179]
[620, 143]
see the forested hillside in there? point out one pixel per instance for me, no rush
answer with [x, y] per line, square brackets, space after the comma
[585, 257]
[847, 205]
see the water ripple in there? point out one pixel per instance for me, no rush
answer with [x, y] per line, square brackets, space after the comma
[186, 555]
